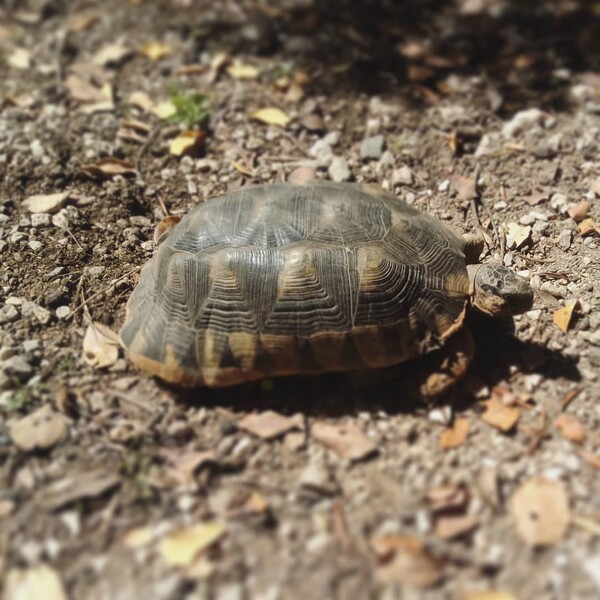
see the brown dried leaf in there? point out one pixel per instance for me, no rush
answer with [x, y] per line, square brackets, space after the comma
[188, 143]
[570, 428]
[562, 317]
[142, 101]
[499, 415]
[180, 548]
[111, 54]
[106, 168]
[242, 71]
[465, 186]
[269, 424]
[185, 464]
[448, 497]
[76, 487]
[40, 430]
[516, 235]
[536, 197]
[83, 91]
[37, 582]
[302, 175]
[455, 435]
[591, 458]
[540, 511]
[450, 526]
[347, 441]
[46, 203]
[588, 226]
[164, 225]
[579, 211]
[164, 110]
[489, 595]
[271, 116]
[405, 560]
[156, 50]
[100, 346]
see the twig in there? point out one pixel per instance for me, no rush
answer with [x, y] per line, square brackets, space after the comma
[99, 292]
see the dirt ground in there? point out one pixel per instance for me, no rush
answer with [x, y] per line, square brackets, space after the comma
[121, 488]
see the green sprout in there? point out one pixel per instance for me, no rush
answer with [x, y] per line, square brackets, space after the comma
[192, 108]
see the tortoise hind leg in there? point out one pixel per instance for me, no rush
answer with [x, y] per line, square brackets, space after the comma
[441, 370]
[427, 377]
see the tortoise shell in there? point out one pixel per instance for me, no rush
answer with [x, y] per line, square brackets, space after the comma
[295, 279]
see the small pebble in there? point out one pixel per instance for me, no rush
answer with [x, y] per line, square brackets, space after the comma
[372, 147]
[339, 170]
[62, 312]
[8, 314]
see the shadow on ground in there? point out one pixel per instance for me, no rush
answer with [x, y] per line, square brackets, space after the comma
[335, 395]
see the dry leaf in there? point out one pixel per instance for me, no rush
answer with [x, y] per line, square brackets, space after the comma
[111, 54]
[269, 424]
[46, 203]
[30, 584]
[451, 526]
[591, 458]
[516, 235]
[180, 548]
[465, 186]
[302, 175]
[106, 168]
[188, 143]
[588, 226]
[562, 317]
[40, 430]
[156, 50]
[241, 71]
[132, 130]
[82, 22]
[164, 110]
[271, 116]
[579, 211]
[540, 511]
[448, 498]
[138, 537]
[185, 464]
[536, 197]
[100, 346]
[570, 428]
[499, 415]
[76, 487]
[405, 561]
[83, 91]
[489, 595]
[241, 169]
[142, 101]
[455, 435]
[20, 59]
[347, 441]
[164, 225]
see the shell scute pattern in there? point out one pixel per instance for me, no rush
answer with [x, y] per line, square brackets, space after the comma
[281, 279]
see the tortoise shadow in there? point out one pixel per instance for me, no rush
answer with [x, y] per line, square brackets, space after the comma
[336, 395]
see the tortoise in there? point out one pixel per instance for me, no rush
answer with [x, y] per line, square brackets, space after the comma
[283, 279]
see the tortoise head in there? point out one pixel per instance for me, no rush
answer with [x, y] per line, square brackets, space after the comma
[497, 291]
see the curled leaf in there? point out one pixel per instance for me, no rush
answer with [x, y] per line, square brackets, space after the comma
[540, 511]
[188, 142]
[181, 547]
[46, 203]
[100, 346]
[271, 116]
[562, 317]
